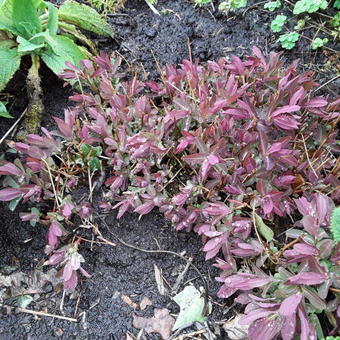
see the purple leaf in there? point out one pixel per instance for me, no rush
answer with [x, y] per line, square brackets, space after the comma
[56, 258]
[254, 315]
[9, 194]
[288, 327]
[305, 249]
[285, 109]
[316, 102]
[53, 233]
[72, 282]
[85, 273]
[290, 304]
[145, 208]
[68, 271]
[10, 169]
[266, 328]
[306, 278]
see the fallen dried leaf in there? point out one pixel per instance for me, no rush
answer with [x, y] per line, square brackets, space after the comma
[161, 323]
[129, 302]
[234, 330]
[191, 307]
[145, 302]
[159, 280]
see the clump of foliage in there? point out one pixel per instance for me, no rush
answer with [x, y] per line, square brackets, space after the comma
[300, 11]
[202, 2]
[231, 5]
[335, 224]
[240, 152]
[106, 6]
[278, 22]
[272, 5]
[44, 32]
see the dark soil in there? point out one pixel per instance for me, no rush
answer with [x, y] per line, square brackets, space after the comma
[145, 40]
[116, 271]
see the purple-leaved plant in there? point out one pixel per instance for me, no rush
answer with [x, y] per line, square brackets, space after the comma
[241, 152]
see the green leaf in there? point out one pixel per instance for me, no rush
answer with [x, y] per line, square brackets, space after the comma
[25, 18]
[318, 42]
[272, 5]
[94, 164]
[52, 23]
[6, 13]
[288, 40]
[22, 301]
[335, 224]
[277, 24]
[191, 305]
[10, 63]
[263, 229]
[61, 49]
[84, 17]
[3, 111]
[27, 46]
[71, 30]
[97, 151]
[336, 4]
[309, 6]
[85, 149]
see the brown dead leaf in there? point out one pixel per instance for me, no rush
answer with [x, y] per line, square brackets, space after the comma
[159, 280]
[129, 302]
[234, 330]
[145, 302]
[161, 323]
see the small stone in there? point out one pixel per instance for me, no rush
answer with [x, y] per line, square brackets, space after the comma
[151, 32]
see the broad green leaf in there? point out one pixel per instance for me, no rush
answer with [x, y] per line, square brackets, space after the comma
[61, 49]
[52, 23]
[6, 13]
[263, 229]
[27, 46]
[25, 18]
[84, 17]
[72, 31]
[10, 63]
[3, 111]
[191, 305]
[8, 28]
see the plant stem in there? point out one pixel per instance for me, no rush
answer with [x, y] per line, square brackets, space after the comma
[35, 105]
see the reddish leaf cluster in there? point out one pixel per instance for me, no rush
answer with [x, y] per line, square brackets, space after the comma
[218, 149]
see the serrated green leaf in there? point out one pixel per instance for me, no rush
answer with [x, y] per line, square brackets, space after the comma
[191, 307]
[263, 229]
[84, 17]
[25, 18]
[10, 63]
[3, 111]
[61, 49]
